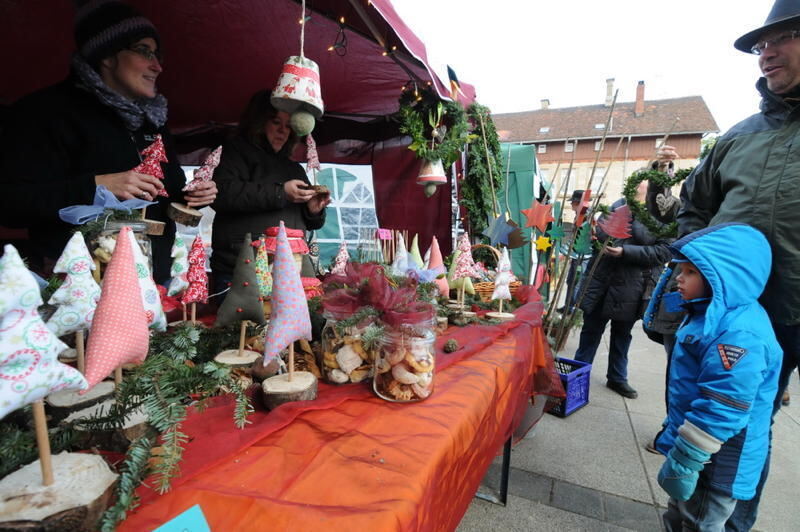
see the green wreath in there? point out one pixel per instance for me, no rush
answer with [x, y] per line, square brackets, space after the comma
[438, 130]
[639, 210]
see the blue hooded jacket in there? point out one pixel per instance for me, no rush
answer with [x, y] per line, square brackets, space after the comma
[724, 368]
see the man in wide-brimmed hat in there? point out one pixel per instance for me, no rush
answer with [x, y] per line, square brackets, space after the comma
[752, 175]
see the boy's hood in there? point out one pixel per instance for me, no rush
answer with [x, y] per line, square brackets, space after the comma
[736, 261]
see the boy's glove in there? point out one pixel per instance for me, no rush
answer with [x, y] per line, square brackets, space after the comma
[679, 474]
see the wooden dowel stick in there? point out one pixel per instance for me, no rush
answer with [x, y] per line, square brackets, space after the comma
[242, 332]
[118, 375]
[194, 313]
[79, 349]
[43, 442]
[184, 311]
[291, 361]
[501, 306]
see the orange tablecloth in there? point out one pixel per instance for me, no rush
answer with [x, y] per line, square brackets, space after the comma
[360, 463]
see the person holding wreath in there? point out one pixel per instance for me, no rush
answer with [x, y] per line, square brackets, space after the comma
[259, 185]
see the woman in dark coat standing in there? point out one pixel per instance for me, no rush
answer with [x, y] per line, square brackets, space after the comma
[618, 292]
[259, 186]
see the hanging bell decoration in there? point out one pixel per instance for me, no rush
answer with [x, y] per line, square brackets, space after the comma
[431, 175]
[298, 93]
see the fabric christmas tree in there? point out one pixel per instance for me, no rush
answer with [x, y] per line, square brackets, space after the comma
[243, 301]
[618, 223]
[78, 295]
[152, 157]
[151, 300]
[415, 257]
[263, 271]
[456, 284]
[206, 170]
[465, 266]
[400, 264]
[29, 366]
[180, 265]
[119, 333]
[437, 266]
[503, 278]
[290, 320]
[197, 276]
[341, 260]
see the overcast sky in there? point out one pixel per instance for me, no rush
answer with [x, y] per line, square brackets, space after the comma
[517, 52]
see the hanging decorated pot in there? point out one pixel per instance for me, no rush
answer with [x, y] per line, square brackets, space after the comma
[298, 93]
[431, 175]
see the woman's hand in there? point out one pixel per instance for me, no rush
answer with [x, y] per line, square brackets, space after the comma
[317, 203]
[204, 194]
[130, 184]
[295, 191]
[615, 252]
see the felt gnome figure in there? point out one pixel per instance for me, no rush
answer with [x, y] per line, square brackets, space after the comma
[29, 366]
[401, 260]
[242, 303]
[290, 321]
[119, 333]
[78, 295]
[414, 254]
[501, 286]
[436, 264]
[340, 262]
[156, 319]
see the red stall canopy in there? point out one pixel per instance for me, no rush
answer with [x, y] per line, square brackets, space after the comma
[218, 53]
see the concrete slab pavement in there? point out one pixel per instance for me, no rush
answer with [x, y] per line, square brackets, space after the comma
[590, 471]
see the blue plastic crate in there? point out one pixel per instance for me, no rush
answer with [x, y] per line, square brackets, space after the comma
[575, 378]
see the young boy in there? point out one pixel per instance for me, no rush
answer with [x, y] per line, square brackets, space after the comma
[723, 378]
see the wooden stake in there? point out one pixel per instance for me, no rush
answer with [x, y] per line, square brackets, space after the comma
[43, 442]
[118, 375]
[495, 205]
[501, 306]
[184, 311]
[242, 332]
[194, 313]
[96, 271]
[79, 348]
[603, 140]
[291, 361]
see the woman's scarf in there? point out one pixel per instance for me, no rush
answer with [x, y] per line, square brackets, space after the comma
[132, 113]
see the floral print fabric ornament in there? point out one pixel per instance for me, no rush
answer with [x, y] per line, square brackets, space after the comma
[341, 259]
[119, 333]
[197, 276]
[180, 266]
[29, 366]
[152, 157]
[263, 273]
[465, 266]
[206, 171]
[290, 320]
[156, 319]
[78, 295]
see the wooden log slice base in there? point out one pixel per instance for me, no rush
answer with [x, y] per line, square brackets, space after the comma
[183, 214]
[278, 389]
[467, 314]
[118, 440]
[502, 316]
[62, 404]
[456, 306]
[230, 357]
[154, 227]
[76, 500]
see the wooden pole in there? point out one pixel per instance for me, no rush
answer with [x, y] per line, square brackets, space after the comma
[118, 375]
[79, 349]
[194, 312]
[43, 442]
[242, 332]
[462, 292]
[603, 139]
[495, 205]
[184, 310]
[500, 309]
[291, 361]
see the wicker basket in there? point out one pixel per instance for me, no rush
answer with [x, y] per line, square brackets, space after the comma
[485, 289]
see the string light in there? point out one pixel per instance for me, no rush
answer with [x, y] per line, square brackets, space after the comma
[340, 43]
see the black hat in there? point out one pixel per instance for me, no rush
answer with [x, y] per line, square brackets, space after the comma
[104, 27]
[782, 11]
[577, 195]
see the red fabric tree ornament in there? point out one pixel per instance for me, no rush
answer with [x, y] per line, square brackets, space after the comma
[618, 223]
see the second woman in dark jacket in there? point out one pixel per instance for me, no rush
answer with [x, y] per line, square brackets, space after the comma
[258, 185]
[618, 292]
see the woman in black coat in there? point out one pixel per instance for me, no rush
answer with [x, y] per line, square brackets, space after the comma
[618, 291]
[259, 186]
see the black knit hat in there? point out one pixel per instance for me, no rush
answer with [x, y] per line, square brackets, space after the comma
[104, 27]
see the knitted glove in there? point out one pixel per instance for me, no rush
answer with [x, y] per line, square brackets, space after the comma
[679, 474]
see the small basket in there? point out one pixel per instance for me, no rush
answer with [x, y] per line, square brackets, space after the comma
[485, 289]
[575, 378]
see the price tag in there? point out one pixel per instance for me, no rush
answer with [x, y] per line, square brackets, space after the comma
[192, 520]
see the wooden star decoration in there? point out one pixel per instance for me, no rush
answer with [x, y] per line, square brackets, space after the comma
[542, 243]
[538, 215]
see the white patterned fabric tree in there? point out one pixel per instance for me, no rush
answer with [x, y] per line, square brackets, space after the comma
[180, 265]
[156, 319]
[78, 295]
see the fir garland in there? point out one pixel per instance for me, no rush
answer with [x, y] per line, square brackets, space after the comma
[476, 191]
[639, 210]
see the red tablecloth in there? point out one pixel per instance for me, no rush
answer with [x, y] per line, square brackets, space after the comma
[350, 461]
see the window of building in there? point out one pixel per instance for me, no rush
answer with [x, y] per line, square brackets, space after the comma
[597, 145]
[569, 147]
[599, 126]
[542, 148]
[544, 129]
[565, 172]
[544, 173]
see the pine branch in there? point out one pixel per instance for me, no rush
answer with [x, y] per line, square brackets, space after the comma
[132, 472]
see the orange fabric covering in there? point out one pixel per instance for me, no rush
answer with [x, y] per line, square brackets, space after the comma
[350, 461]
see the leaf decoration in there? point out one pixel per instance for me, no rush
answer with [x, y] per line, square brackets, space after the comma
[583, 241]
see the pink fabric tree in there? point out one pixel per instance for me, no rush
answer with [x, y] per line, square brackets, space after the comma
[341, 260]
[206, 170]
[152, 157]
[465, 266]
[437, 265]
[197, 276]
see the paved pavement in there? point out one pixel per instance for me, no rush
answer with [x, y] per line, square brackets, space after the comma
[590, 471]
